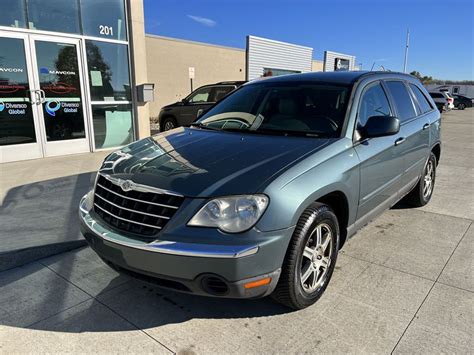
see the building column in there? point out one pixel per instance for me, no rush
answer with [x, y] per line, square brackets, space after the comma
[138, 64]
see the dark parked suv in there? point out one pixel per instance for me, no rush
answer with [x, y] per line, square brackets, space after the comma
[258, 196]
[184, 112]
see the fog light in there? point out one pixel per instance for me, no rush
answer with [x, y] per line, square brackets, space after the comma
[258, 283]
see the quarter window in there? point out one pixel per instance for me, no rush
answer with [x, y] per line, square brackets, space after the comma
[403, 101]
[422, 101]
[374, 102]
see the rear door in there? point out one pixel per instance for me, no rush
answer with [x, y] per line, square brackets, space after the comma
[381, 159]
[414, 130]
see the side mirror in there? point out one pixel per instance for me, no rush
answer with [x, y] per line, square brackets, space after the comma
[381, 126]
[184, 101]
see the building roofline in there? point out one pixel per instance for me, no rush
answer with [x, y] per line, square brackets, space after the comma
[172, 39]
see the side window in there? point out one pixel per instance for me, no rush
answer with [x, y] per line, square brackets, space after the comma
[421, 98]
[374, 102]
[201, 95]
[403, 101]
[219, 92]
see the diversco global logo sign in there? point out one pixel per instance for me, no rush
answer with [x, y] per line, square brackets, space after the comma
[2, 106]
[51, 107]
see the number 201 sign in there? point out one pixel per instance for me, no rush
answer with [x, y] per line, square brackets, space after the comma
[106, 30]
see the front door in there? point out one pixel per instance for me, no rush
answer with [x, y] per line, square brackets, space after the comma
[20, 134]
[381, 159]
[58, 81]
[42, 109]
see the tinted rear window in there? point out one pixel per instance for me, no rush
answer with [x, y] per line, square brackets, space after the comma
[420, 97]
[435, 95]
[402, 99]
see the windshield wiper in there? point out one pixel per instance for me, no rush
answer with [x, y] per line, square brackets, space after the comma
[203, 126]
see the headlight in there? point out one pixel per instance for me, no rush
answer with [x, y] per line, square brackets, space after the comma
[233, 214]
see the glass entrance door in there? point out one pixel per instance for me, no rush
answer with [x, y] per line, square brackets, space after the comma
[59, 85]
[42, 111]
[20, 135]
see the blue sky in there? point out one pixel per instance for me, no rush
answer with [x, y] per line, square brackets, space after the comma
[441, 31]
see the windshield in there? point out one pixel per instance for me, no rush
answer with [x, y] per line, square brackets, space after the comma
[294, 108]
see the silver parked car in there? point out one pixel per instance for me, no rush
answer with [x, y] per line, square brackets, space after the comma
[257, 197]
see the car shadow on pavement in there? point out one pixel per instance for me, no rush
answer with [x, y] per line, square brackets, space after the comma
[40, 219]
[65, 296]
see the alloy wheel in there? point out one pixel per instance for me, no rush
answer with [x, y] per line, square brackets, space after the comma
[169, 125]
[428, 179]
[316, 259]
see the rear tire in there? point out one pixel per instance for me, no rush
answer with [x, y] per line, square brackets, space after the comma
[422, 192]
[461, 106]
[310, 258]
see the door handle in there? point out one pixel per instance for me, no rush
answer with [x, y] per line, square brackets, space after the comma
[400, 140]
[426, 126]
[42, 96]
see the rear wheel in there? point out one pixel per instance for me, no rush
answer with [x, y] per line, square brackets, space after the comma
[422, 192]
[310, 258]
[461, 106]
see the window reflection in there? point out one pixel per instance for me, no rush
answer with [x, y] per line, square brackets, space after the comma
[15, 15]
[112, 125]
[105, 18]
[108, 71]
[16, 116]
[54, 15]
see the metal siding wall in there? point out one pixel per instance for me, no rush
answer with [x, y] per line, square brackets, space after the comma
[330, 59]
[265, 53]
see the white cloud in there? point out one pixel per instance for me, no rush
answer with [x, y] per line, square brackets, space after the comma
[203, 21]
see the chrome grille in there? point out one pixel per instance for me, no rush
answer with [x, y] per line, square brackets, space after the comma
[137, 212]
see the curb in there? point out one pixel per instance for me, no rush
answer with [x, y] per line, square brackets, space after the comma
[15, 258]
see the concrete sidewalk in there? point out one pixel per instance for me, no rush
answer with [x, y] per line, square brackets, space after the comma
[39, 203]
[402, 285]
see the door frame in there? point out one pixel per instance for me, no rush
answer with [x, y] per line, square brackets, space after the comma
[16, 152]
[69, 146]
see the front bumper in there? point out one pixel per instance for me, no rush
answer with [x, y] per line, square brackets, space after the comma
[191, 267]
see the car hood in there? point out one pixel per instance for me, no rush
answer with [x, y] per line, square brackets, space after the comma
[202, 163]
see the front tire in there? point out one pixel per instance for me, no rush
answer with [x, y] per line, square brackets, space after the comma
[310, 258]
[168, 124]
[461, 106]
[422, 192]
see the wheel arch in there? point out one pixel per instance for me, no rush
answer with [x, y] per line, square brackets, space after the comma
[339, 203]
[436, 150]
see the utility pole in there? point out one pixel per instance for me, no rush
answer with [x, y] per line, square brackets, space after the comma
[406, 51]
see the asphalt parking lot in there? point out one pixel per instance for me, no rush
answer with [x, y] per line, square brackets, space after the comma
[403, 284]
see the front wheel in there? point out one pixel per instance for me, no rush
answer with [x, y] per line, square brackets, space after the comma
[461, 106]
[310, 258]
[168, 124]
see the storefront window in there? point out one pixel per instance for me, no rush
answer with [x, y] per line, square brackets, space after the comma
[112, 125]
[105, 18]
[54, 15]
[13, 13]
[109, 72]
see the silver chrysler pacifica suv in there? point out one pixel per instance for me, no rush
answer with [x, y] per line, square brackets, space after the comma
[258, 195]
